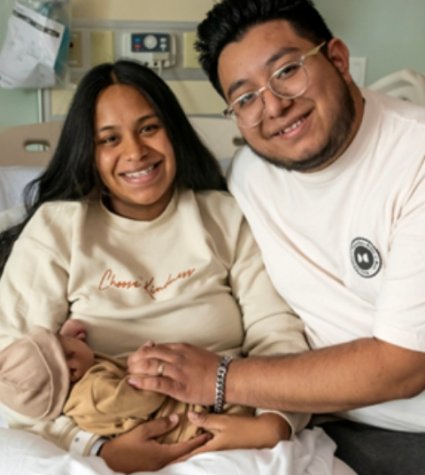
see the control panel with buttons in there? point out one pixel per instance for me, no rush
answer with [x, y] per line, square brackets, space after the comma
[156, 50]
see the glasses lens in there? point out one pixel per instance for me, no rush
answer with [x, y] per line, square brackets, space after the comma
[248, 109]
[289, 81]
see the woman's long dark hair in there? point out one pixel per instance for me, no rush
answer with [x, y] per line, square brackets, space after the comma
[71, 173]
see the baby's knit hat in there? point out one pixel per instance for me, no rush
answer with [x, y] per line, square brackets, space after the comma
[34, 376]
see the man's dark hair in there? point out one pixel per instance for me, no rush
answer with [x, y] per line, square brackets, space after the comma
[229, 20]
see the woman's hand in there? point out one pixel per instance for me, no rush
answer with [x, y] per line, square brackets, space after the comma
[137, 450]
[240, 432]
[179, 370]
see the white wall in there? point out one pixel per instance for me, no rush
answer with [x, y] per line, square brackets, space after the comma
[20, 107]
[389, 33]
[153, 10]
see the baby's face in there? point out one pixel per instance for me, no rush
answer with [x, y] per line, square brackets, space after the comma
[79, 356]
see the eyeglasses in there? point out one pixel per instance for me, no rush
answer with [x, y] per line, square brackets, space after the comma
[288, 82]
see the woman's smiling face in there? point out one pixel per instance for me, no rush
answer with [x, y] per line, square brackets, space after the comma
[133, 154]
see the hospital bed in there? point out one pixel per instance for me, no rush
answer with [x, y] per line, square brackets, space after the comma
[24, 151]
[33, 144]
[405, 84]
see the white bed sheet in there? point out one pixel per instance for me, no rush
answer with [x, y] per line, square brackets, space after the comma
[311, 453]
[12, 183]
[10, 217]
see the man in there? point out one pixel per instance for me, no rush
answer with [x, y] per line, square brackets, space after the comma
[332, 184]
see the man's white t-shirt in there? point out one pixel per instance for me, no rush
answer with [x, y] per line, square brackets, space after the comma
[345, 246]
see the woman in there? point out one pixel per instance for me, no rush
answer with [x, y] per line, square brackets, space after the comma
[130, 230]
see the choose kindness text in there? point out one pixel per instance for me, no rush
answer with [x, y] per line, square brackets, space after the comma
[109, 280]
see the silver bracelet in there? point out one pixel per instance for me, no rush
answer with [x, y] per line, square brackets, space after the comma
[220, 383]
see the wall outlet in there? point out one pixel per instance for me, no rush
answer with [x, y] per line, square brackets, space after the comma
[75, 58]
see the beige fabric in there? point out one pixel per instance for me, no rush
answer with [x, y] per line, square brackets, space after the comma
[194, 274]
[34, 376]
[104, 403]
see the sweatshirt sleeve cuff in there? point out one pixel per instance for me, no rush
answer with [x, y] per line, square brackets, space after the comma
[83, 442]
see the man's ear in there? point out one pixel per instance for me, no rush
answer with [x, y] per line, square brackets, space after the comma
[339, 55]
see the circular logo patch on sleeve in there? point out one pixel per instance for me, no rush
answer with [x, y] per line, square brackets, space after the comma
[365, 257]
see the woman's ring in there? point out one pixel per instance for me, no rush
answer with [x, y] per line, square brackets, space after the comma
[161, 368]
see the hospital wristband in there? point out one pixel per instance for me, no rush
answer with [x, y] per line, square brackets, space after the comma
[220, 383]
[97, 446]
[81, 442]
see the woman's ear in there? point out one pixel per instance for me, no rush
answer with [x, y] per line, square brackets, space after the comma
[339, 55]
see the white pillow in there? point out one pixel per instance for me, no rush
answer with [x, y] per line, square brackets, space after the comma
[224, 164]
[12, 183]
[11, 216]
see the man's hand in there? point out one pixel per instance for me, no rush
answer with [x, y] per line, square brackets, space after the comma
[179, 370]
[137, 450]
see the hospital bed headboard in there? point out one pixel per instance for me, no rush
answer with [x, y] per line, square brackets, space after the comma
[405, 84]
[26, 149]
[221, 135]
[28, 145]
[33, 144]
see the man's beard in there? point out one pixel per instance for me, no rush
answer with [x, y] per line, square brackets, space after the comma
[340, 132]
